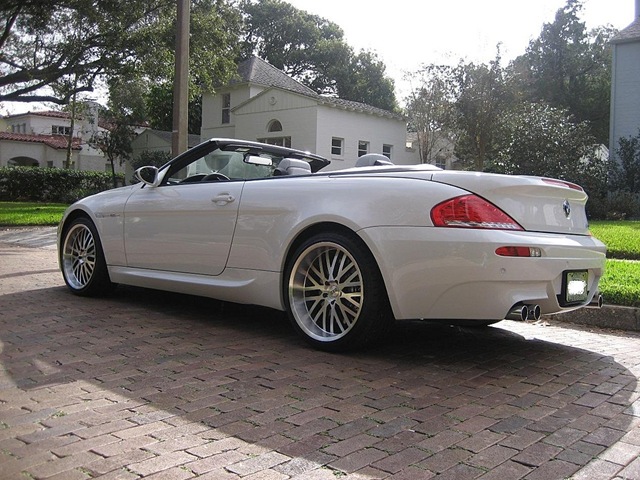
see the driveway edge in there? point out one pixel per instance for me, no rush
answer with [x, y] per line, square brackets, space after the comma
[609, 316]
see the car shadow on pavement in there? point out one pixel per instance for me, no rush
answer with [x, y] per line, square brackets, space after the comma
[132, 380]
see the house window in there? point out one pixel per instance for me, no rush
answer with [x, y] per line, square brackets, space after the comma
[386, 151]
[50, 164]
[274, 126]
[60, 130]
[336, 146]
[226, 108]
[363, 148]
[440, 162]
[19, 128]
[279, 141]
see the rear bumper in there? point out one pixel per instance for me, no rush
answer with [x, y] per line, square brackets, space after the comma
[447, 273]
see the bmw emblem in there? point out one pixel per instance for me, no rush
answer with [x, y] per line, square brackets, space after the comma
[566, 206]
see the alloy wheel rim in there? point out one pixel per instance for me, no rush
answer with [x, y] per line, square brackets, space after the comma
[79, 256]
[326, 291]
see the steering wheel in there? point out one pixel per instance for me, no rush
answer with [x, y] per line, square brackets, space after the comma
[216, 176]
[194, 178]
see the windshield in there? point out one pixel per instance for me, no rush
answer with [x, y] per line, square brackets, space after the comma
[230, 165]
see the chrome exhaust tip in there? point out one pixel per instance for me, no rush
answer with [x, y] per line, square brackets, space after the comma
[533, 312]
[518, 313]
[596, 302]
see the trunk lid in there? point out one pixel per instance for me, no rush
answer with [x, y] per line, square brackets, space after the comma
[537, 204]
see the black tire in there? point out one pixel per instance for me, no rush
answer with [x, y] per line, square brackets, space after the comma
[334, 293]
[82, 260]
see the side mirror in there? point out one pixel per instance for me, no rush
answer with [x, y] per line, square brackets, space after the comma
[257, 160]
[147, 175]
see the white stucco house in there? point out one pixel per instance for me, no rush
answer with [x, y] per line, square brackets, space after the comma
[625, 84]
[264, 104]
[40, 139]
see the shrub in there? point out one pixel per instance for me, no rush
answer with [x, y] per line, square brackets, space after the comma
[51, 184]
[146, 157]
[622, 205]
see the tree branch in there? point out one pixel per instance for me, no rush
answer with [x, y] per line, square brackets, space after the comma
[11, 20]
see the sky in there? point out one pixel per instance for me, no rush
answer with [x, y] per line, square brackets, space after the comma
[408, 33]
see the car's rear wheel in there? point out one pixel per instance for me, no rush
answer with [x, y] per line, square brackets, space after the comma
[335, 296]
[82, 260]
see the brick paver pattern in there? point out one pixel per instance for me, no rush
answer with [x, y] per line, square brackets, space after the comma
[145, 384]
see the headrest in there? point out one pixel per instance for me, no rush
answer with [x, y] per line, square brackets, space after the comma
[292, 166]
[373, 160]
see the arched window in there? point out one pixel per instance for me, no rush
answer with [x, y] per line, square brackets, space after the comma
[23, 162]
[274, 126]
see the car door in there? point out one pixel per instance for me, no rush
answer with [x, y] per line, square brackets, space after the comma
[186, 223]
[184, 228]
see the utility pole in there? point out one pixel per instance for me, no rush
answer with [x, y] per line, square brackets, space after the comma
[181, 81]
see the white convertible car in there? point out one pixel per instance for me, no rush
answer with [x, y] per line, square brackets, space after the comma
[344, 253]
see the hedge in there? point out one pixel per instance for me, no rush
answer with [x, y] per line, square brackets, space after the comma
[28, 184]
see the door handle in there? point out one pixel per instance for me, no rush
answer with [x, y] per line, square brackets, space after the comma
[223, 199]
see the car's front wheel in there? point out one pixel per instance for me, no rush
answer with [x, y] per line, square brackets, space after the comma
[335, 296]
[82, 260]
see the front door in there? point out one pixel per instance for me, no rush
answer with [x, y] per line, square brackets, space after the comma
[182, 228]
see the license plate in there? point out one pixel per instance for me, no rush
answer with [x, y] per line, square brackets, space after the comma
[575, 286]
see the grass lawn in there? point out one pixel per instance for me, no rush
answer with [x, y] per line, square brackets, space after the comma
[21, 214]
[622, 238]
[620, 284]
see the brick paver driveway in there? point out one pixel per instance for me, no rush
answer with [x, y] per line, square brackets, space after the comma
[154, 385]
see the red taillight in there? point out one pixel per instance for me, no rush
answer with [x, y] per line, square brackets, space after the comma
[471, 211]
[519, 252]
[513, 251]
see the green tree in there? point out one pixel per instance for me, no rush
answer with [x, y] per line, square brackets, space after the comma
[364, 80]
[626, 175]
[481, 96]
[159, 104]
[569, 67]
[213, 46]
[429, 108]
[126, 108]
[312, 50]
[288, 38]
[213, 49]
[51, 50]
[537, 139]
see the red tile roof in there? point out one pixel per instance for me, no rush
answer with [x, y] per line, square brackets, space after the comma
[58, 142]
[44, 113]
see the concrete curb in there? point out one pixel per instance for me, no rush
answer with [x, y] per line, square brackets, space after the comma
[609, 316]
